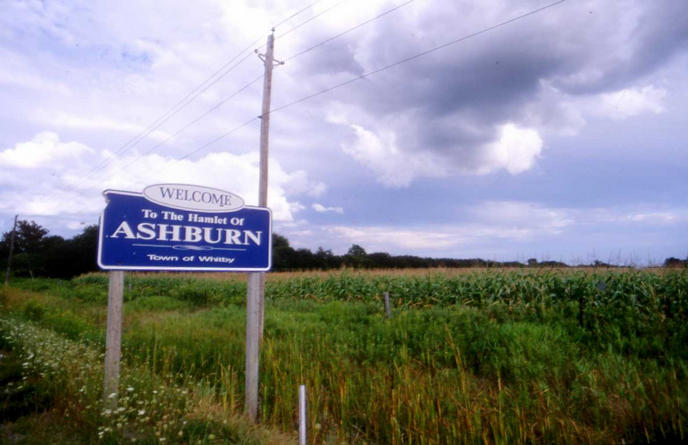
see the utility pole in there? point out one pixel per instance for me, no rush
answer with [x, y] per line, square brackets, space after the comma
[256, 280]
[9, 258]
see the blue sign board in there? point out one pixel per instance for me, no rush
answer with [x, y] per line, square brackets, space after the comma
[185, 228]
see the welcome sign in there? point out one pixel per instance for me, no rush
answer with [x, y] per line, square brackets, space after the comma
[183, 227]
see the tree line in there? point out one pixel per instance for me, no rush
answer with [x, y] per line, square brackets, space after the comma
[36, 253]
[285, 257]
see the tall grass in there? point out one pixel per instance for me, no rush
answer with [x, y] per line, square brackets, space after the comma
[585, 356]
[65, 376]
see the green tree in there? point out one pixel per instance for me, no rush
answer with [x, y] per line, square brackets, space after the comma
[325, 259]
[36, 253]
[356, 257]
[283, 254]
[75, 256]
[28, 243]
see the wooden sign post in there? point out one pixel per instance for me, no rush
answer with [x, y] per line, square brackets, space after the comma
[113, 339]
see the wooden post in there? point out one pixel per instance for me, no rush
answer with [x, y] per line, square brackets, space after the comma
[256, 281]
[9, 258]
[388, 308]
[252, 345]
[113, 339]
[302, 415]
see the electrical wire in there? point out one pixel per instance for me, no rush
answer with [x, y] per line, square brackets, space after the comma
[197, 119]
[415, 56]
[376, 71]
[216, 106]
[207, 112]
[219, 104]
[215, 77]
[190, 97]
[353, 28]
[296, 13]
[305, 22]
[242, 125]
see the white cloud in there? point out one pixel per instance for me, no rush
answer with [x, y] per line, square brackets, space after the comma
[376, 238]
[296, 182]
[43, 150]
[386, 147]
[491, 226]
[633, 101]
[524, 215]
[659, 218]
[515, 150]
[64, 120]
[46, 176]
[488, 221]
[430, 238]
[556, 220]
[322, 209]
[395, 168]
[19, 73]
[648, 216]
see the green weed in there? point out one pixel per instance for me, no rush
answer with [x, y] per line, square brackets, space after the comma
[515, 356]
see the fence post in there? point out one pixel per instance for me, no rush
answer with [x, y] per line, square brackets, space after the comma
[302, 415]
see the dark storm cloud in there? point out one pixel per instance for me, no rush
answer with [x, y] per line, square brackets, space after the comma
[660, 32]
[453, 100]
[337, 58]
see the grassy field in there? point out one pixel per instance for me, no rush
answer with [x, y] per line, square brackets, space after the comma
[469, 356]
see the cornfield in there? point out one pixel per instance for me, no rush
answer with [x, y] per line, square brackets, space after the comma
[488, 356]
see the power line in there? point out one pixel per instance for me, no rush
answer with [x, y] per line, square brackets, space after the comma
[193, 94]
[209, 143]
[257, 40]
[296, 13]
[416, 56]
[203, 88]
[379, 70]
[215, 107]
[311, 19]
[242, 125]
[198, 90]
[219, 104]
[353, 28]
[197, 119]
[174, 110]
[207, 112]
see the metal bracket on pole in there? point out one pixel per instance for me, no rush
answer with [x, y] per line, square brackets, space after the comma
[274, 62]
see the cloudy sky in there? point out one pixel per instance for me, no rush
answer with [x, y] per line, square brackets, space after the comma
[560, 135]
